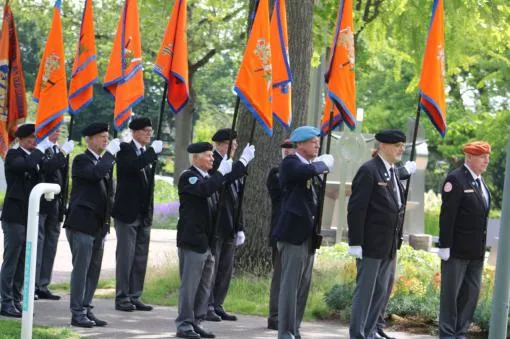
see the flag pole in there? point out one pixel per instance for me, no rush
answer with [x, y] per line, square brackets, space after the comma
[161, 111]
[65, 189]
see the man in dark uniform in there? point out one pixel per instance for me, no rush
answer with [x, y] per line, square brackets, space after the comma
[301, 188]
[462, 240]
[53, 170]
[198, 197]
[375, 220]
[230, 232]
[275, 192]
[88, 219]
[132, 211]
[22, 166]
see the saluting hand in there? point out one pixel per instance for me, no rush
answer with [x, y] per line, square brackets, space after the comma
[327, 159]
[248, 154]
[157, 146]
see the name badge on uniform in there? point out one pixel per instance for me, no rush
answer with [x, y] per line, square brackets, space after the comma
[469, 191]
[193, 180]
[309, 184]
[381, 183]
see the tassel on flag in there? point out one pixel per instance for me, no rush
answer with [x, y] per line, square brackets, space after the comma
[340, 76]
[282, 75]
[50, 90]
[432, 94]
[84, 76]
[124, 75]
[172, 59]
[13, 103]
[254, 80]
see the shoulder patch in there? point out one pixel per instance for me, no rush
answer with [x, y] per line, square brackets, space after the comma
[193, 180]
[447, 187]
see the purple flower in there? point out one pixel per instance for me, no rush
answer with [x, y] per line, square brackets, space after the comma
[167, 209]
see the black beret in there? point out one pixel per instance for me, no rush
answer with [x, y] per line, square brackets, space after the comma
[140, 123]
[390, 136]
[94, 128]
[287, 144]
[224, 134]
[25, 130]
[200, 147]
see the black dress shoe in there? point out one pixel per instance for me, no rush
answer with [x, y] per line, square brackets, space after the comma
[19, 307]
[98, 322]
[47, 295]
[212, 316]
[202, 332]
[224, 315]
[83, 322]
[125, 307]
[272, 324]
[10, 311]
[190, 334]
[381, 334]
[140, 306]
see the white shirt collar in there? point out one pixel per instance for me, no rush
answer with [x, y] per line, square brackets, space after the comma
[26, 151]
[386, 164]
[473, 173]
[94, 154]
[137, 144]
[303, 160]
[204, 174]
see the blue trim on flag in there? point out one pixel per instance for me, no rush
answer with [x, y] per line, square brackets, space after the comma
[434, 8]
[282, 42]
[433, 103]
[58, 4]
[82, 88]
[123, 113]
[47, 121]
[122, 38]
[35, 100]
[337, 121]
[84, 64]
[81, 108]
[343, 110]
[158, 72]
[253, 111]
[337, 31]
[283, 123]
[281, 83]
[77, 54]
[132, 73]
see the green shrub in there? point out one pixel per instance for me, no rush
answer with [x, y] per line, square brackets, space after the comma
[432, 222]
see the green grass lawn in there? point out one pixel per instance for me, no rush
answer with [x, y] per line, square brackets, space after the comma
[12, 329]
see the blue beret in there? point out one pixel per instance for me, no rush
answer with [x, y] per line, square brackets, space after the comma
[304, 133]
[390, 136]
[25, 130]
[94, 128]
[199, 147]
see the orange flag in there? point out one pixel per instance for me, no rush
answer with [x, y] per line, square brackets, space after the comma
[254, 80]
[340, 75]
[124, 75]
[282, 75]
[337, 117]
[432, 96]
[13, 103]
[50, 90]
[84, 74]
[172, 60]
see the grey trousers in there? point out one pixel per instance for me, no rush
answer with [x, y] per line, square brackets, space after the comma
[13, 263]
[275, 285]
[223, 252]
[49, 231]
[132, 254]
[296, 276]
[460, 287]
[372, 281]
[87, 254]
[196, 271]
[381, 322]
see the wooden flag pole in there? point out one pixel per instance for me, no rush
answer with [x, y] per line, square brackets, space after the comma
[65, 189]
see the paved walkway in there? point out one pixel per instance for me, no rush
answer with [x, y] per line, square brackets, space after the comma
[160, 322]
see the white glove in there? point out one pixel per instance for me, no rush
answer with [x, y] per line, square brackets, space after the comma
[44, 145]
[327, 159]
[67, 147]
[157, 146]
[113, 147]
[444, 253]
[248, 154]
[355, 251]
[240, 238]
[410, 166]
[225, 166]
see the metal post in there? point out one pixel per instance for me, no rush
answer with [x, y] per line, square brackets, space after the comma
[499, 317]
[49, 190]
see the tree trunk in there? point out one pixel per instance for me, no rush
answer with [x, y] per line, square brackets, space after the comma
[254, 255]
[183, 132]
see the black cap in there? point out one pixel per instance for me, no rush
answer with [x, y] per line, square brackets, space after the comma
[224, 134]
[140, 123]
[390, 136]
[200, 147]
[287, 144]
[94, 128]
[25, 130]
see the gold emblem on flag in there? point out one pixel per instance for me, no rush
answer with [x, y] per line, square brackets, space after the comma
[442, 59]
[4, 68]
[51, 64]
[263, 52]
[168, 50]
[346, 40]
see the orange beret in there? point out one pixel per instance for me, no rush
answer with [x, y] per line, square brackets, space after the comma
[477, 148]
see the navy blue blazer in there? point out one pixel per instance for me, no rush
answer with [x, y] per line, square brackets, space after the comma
[301, 189]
